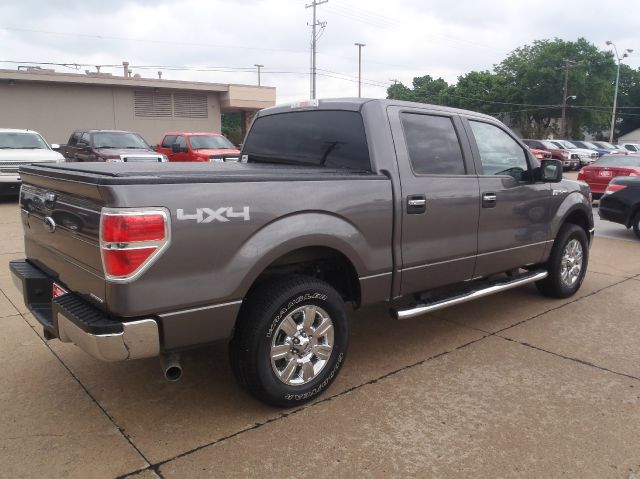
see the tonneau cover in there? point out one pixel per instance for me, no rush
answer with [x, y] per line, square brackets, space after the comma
[151, 173]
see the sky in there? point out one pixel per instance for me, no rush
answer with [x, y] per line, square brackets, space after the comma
[221, 41]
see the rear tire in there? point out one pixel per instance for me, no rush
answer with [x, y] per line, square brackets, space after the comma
[567, 264]
[636, 224]
[290, 341]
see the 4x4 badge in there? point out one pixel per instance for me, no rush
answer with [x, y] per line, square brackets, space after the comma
[207, 215]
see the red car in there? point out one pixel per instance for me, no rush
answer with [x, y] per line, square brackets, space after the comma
[570, 161]
[599, 174]
[184, 146]
[540, 154]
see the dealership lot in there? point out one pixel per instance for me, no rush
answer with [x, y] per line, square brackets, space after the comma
[511, 385]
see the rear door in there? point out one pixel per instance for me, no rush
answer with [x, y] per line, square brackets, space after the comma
[515, 212]
[440, 198]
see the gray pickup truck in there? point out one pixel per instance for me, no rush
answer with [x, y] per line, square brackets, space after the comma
[335, 202]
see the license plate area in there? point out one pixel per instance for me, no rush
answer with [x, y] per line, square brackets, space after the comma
[605, 173]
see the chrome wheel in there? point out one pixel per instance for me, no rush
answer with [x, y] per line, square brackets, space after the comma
[571, 265]
[302, 345]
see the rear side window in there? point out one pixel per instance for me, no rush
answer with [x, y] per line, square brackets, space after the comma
[334, 139]
[168, 141]
[433, 145]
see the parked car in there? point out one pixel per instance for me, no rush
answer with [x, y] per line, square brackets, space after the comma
[590, 146]
[19, 148]
[621, 202]
[111, 146]
[340, 201]
[585, 155]
[570, 161]
[611, 150]
[210, 147]
[599, 174]
[631, 147]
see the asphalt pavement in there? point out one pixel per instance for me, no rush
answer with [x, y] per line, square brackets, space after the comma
[513, 385]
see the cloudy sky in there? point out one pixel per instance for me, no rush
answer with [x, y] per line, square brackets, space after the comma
[220, 41]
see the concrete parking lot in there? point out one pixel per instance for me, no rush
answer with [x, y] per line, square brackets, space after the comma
[514, 385]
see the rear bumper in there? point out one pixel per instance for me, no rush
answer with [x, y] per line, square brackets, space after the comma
[73, 320]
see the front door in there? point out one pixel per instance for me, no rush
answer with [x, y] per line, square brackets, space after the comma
[440, 198]
[516, 212]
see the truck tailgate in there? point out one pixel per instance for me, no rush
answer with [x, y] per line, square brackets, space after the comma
[61, 231]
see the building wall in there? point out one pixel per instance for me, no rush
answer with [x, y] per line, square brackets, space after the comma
[55, 110]
[631, 137]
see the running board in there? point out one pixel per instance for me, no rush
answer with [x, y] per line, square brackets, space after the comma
[496, 287]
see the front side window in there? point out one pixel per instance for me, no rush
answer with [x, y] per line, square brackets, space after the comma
[500, 154]
[181, 141]
[22, 141]
[333, 139]
[168, 141]
[84, 139]
[433, 144]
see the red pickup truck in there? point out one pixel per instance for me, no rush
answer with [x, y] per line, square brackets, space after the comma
[184, 146]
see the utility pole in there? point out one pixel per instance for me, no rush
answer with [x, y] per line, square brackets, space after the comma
[314, 37]
[615, 95]
[259, 67]
[567, 64]
[360, 45]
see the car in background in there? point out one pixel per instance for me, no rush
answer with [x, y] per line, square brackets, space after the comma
[20, 148]
[203, 147]
[590, 146]
[585, 155]
[631, 147]
[109, 146]
[570, 161]
[611, 150]
[621, 202]
[599, 174]
[540, 154]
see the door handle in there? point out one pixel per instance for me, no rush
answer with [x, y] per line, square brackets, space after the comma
[489, 200]
[416, 204]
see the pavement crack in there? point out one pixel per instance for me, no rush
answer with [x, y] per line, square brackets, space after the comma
[569, 358]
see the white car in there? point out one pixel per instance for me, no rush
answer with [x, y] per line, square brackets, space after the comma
[585, 156]
[631, 147]
[19, 148]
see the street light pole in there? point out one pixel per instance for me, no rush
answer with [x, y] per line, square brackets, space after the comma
[259, 67]
[615, 94]
[360, 45]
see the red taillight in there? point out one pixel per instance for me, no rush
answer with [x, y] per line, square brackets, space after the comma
[130, 239]
[124, 262]
[613, 188]
[129, 228]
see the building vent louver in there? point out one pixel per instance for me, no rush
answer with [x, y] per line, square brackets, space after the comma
[152, 105]
[190, 105]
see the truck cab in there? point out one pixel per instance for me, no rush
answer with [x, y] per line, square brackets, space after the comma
[202, 147]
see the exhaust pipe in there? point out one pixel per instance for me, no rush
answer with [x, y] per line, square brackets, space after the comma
[171, 367]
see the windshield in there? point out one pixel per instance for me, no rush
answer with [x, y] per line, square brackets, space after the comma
[549, 144]
[604, 144]
[588, 145]
[115, 139]
[22, 141]
[210, 142]
[567, 144]
[630, 161]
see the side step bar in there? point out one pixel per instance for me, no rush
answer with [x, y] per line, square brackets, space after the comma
[496, 287]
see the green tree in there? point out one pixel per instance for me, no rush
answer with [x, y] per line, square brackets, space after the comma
[628, 100]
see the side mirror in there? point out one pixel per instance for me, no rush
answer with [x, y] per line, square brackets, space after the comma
[185, 149]
[176, 148]
[55, 146]
[551, 171]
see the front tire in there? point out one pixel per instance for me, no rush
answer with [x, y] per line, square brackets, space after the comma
[290, 341]
[567, 264]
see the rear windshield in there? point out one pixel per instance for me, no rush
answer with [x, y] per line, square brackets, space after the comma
[21, 141]
[632, 161]
[117, 139]
[334, 139]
